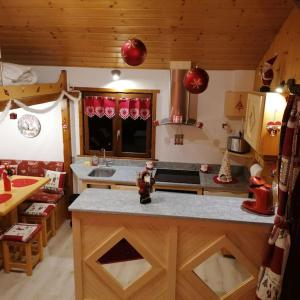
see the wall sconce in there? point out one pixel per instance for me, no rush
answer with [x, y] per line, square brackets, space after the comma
[116, 74]
[293, 88]
[273, 127]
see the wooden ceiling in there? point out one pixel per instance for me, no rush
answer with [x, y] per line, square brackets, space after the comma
[215, 34]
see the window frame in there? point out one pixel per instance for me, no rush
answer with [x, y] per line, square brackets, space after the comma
[83, 120]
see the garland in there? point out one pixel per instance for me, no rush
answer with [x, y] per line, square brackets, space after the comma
[37, 111]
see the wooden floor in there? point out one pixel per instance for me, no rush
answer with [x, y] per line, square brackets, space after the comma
[52, 279]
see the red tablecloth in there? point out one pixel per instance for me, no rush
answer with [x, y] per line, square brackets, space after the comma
[23, 182]
[5, 197]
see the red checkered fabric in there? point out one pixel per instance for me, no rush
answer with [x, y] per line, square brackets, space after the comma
[39, 209]
[34, 167]
[42, 196]
[21, 232]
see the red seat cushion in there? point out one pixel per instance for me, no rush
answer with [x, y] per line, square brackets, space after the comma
[42, 196]
[39, 209]
[21, 232]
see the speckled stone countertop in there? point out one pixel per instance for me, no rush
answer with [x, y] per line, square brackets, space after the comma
[127, 170]
[165, 204]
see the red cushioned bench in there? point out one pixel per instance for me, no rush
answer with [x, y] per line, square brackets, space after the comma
[49, 194]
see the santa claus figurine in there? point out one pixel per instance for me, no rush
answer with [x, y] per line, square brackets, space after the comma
[145, 182]
[267, 74]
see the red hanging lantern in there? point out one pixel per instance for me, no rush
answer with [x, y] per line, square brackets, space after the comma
[133, 52]
[196, 80]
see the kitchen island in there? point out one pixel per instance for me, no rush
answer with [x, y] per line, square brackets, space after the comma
[169, 246]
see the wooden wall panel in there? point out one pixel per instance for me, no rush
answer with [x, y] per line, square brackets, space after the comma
[287, 45]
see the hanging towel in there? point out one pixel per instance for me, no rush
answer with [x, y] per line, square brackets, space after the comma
[273, 268]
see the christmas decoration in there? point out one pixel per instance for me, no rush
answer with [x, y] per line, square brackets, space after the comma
[267, 74]
[145, 181]
[196, 80]
[133, 52]
[225, 172]
[61, 97]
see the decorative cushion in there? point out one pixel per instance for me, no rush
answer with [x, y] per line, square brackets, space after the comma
[21, 232]
[34, 167]
[42, 196]
[56, 183]
[39, 209]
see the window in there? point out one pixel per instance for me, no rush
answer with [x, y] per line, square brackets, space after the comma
[119, 122]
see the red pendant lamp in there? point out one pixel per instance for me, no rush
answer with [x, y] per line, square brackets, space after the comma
[134, 52]
[196, 80]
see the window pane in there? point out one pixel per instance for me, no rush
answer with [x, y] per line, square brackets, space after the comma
[134, 135]
[101, 133]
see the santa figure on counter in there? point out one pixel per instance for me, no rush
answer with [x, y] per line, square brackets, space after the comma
[267, 74]
[145, 182]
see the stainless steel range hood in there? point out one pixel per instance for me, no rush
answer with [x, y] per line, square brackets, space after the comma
[183, 106]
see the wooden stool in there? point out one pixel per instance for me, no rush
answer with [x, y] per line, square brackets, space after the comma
[41, 213]
[22, 247]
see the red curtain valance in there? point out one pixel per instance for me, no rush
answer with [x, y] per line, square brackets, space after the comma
[135, 108]
[99, 106]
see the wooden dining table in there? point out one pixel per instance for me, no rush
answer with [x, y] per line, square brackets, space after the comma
[21, 188]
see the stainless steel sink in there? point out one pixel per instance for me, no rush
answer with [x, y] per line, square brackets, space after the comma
[102, 172]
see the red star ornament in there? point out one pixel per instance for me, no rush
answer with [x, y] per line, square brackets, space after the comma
[134, 52]
[196, 80]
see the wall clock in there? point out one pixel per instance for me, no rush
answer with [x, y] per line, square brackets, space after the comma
[29, 125]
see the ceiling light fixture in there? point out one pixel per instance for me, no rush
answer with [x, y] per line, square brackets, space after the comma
[116, 74]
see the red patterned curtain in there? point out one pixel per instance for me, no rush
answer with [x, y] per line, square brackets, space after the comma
[135, 108]
[99, 106]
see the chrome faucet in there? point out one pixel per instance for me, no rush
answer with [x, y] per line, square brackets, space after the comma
[105, 161]
[104, 156]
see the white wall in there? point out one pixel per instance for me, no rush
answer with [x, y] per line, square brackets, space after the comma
[48, 145]
[200, 145]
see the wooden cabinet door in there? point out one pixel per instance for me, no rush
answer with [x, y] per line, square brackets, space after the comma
[254, 120]
[235, 104]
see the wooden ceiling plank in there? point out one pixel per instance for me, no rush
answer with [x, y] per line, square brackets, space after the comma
[140, 20]
[145, 4]
[150, 13]
[134, 29]
[8, 36]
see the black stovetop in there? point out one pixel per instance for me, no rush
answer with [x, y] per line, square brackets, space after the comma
[177, 176]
